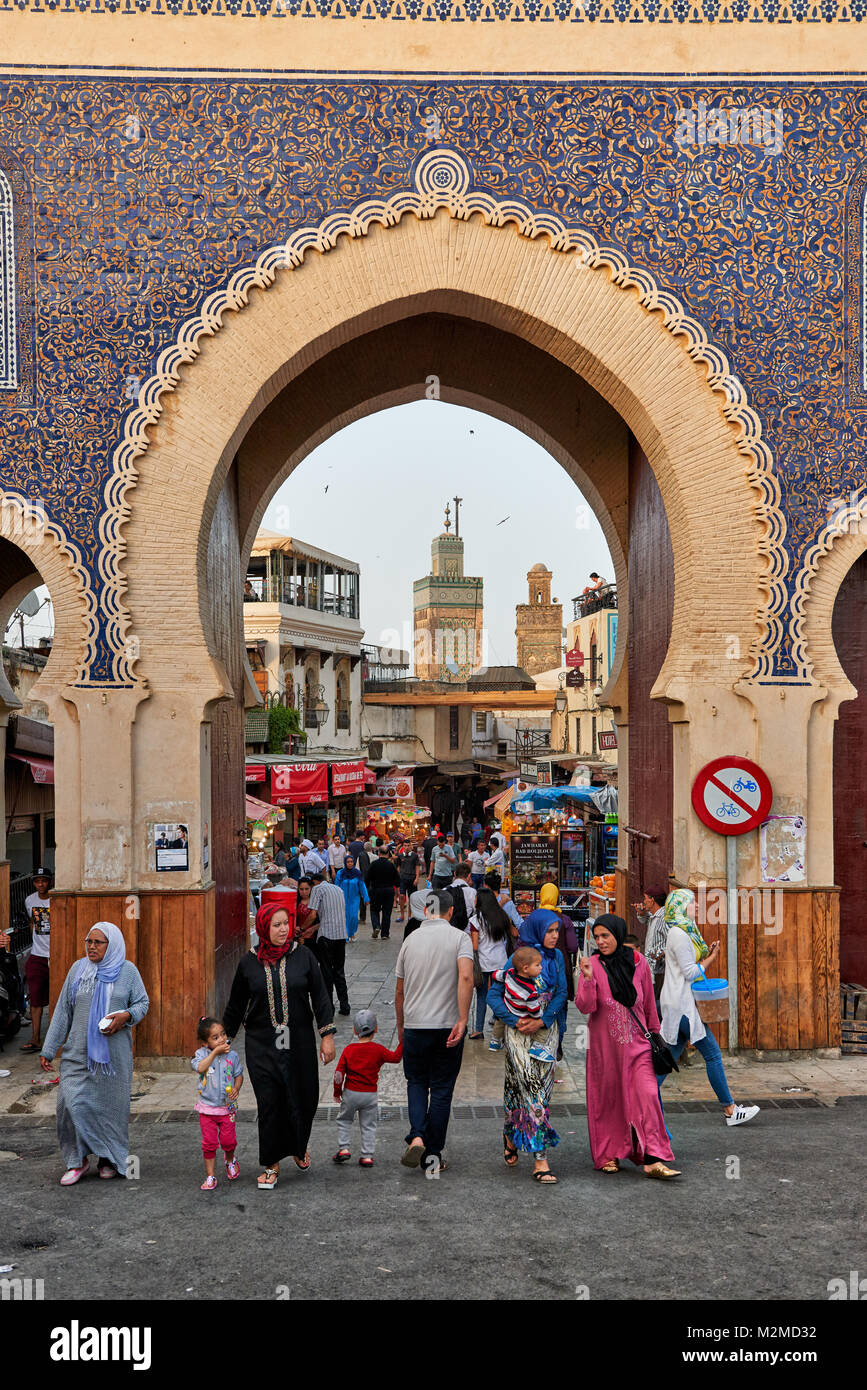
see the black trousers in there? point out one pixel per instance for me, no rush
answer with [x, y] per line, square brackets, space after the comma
[332, 958]
[381, 907]
[431, 1070]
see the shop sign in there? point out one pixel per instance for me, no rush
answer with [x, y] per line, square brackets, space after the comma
[347, 778]
[575, 657]
[528, 771]
[397, 788]
[574, 679]
[543, 774]
[299, 784]
[607, 740]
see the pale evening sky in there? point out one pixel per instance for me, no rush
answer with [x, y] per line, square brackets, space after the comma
[388, 478]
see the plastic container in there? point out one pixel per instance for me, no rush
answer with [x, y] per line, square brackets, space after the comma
[705, 989]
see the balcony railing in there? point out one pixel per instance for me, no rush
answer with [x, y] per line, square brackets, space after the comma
[594, 601]
[302, 594]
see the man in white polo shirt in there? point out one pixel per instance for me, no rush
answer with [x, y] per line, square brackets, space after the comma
[433, 991]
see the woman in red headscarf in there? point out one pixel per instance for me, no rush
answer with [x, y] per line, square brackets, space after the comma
[277, 990]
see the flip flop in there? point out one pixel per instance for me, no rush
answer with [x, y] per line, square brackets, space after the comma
[545, 1177]
[302, 1165]
[31, 1047]
[270, 1177]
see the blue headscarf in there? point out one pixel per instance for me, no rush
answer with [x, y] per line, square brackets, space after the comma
[104, 973]
[533, 931]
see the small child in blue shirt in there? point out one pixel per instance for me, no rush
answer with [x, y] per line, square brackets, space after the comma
[221, 1076]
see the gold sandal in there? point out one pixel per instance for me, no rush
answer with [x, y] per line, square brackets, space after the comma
[661, 1170]
[612, 1166]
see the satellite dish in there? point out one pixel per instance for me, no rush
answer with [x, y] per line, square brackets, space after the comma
[30, 604]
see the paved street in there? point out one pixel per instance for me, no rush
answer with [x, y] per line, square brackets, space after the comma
[791, 1219]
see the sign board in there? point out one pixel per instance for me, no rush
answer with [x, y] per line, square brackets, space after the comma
[398, 788]
[543, 773]
[299, 784]
[575, 657]
[607, 739]
[732, 795]
[574, 679]
[347, 778]
[528, 771]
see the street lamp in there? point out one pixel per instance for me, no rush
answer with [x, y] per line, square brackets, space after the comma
[561, 704]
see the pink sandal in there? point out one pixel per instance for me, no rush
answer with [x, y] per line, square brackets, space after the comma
[233, 1169]
[209, 1184]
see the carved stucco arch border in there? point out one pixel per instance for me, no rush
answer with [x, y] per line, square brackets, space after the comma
[442, 181]
[59, 564]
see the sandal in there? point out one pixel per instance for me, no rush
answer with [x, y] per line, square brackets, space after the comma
[546, 1177]
[612, 1166]
[661, 1170]
[30, 1047]
[342, 1156]
[474, 1037]
[267, 1181]
[302, 1164]
[510, 1154]
[209, 1184]
[365, 1163]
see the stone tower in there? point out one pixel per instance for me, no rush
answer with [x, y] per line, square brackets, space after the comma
[539, 629]
[447, 612]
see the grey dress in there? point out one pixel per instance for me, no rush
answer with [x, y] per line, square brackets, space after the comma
[93, 1110]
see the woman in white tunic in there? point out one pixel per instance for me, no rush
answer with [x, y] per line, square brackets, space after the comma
[96, 1067]
[681, 1023]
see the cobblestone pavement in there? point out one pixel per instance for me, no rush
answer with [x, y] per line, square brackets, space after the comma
[806, 1080]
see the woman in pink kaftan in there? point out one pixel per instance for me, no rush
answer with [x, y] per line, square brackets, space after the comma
[624, 1115]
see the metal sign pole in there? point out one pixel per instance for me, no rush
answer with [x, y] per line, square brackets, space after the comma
[732, 935]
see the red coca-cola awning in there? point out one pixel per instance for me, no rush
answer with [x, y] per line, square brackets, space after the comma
[255, 772]
[41, 768]
[348, 778]
[299, 784]
[369, 777]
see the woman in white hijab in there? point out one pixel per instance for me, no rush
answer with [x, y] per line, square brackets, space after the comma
[96, 1067]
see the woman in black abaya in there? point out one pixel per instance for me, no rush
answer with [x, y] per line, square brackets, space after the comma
[272, 994]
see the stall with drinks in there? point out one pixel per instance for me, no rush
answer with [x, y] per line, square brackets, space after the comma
[559, 835]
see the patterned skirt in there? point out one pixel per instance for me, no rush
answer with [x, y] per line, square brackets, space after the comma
[527, 1091]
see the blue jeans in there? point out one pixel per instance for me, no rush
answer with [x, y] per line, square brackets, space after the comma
[477, 880]
[709, 1050]
[431, 1070]
[482, 1000]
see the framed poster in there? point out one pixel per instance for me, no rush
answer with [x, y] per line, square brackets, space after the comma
[171, 847]
[533, 861]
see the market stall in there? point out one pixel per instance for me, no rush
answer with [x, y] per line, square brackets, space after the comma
[559, 835]
[398, 820]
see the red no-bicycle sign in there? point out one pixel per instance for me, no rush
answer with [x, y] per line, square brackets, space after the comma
[732, 795]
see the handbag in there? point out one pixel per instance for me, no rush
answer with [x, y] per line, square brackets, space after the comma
[478, 975]
[660, 1053]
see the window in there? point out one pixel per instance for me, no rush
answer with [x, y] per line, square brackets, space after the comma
[481, 723]
[502, 748]
[454, 731]
[8, 329]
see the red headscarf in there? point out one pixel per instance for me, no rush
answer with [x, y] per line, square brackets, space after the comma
[266, 951]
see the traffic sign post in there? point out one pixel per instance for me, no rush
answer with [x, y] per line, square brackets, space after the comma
[732, 796]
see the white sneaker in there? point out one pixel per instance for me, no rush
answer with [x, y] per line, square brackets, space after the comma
[741, 1114]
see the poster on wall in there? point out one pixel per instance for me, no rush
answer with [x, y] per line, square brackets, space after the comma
[299, 784]
[206, 847]
[612, 638]
[783, 848]
[171, 847]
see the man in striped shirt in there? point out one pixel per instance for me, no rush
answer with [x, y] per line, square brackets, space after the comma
[327, 900]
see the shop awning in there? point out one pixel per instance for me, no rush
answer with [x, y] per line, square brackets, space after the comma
[41, 768]
[255, 772]
[369, 777]
[262, 810]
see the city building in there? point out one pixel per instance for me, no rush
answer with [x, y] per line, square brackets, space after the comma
[539, 625]
[580, 727]
[448, 612]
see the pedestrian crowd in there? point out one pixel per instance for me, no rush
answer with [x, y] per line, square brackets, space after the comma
[462, 936]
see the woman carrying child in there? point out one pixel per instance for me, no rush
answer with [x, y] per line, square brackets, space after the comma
[531, 1037]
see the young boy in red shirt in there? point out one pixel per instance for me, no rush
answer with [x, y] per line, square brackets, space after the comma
[355, 1087]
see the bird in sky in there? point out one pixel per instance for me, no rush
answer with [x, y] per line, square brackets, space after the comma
[505, 518]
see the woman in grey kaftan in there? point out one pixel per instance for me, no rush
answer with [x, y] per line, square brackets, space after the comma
[93, 1102]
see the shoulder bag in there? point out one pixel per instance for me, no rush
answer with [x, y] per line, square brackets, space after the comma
[660, 1053]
